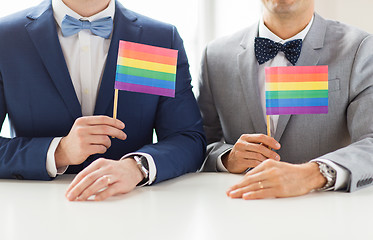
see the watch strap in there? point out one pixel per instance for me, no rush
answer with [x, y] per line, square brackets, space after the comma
[329, 174]
[142, 164]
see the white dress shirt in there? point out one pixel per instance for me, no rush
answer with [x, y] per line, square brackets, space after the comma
[280, 61]
[85, 55]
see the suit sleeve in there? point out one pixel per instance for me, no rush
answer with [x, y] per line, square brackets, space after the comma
[20, 157]
[211, 122]
[181, 140]
[358, 156]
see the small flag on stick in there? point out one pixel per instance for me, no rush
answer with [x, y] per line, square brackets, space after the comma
[296, 90]
[145, 69]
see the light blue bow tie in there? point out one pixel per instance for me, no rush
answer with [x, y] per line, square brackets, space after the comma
[101, 27]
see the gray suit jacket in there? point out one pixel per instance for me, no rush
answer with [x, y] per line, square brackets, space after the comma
[230, 104]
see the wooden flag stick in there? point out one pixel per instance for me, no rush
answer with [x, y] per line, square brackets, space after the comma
[268, 126]
[115, 104]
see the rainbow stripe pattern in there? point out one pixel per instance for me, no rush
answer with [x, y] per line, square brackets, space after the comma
[296, 90]
[146, 69]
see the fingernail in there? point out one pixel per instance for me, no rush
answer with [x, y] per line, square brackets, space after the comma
[233, 192]
[277, 157]
[246, 196]
[69, 197]
[278, 145]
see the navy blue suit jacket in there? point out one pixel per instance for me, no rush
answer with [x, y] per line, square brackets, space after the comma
[37, 93]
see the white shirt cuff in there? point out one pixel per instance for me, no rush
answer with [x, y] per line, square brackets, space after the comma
[51, 162]
[219, 164]
[151, 164]
[342, 176]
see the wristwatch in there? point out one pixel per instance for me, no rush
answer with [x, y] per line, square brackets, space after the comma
[142, 164]
[329, 174]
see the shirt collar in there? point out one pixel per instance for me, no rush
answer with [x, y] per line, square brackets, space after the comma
[60, 10]
[264, 32]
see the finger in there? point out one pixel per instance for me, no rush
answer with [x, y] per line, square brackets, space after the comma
[114, 189]
[100, 140]
[107, 130]
[81, 186]
[250, 188]
[261, 138]
[268, 165]
[245, 163]
[260, 194]
[263, 150]
[94, 149]
[247, 155]
[249, 179]
[104, 120]
[99, 185]
[99, 163]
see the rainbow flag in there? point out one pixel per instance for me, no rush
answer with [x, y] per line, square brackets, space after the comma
[296, 90]
[146, 69]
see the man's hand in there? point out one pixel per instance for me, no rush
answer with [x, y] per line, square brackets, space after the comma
[105, 178]
[249, 151]
[89, 135]
[273, 179]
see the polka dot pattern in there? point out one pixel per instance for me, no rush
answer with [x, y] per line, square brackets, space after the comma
[266, 49]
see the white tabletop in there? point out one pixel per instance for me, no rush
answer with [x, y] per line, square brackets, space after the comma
[190, 207]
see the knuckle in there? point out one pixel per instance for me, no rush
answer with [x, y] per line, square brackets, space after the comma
[258, 148]
[243, 136]
[239, 144]
[110, 167]
[102, 149]
[261, 137]
[106, 129]
[100, 161]
[268, 163]
[102, 118]
[274, 172]
[80, 131]
[79, 121]
[107, 141]
[90, 177]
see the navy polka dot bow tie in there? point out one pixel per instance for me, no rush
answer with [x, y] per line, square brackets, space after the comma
[266, 49]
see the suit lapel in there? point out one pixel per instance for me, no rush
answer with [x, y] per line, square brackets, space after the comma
[43, 33]
[126, 29]
[309, 56]
[248, 70]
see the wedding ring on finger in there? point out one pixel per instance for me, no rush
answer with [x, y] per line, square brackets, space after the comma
[108, 180]
[260, 185]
